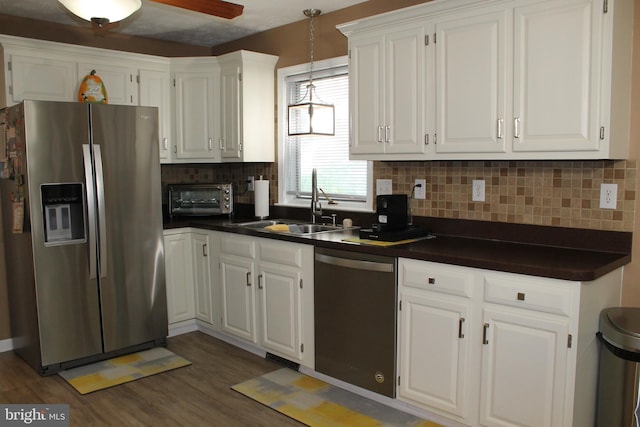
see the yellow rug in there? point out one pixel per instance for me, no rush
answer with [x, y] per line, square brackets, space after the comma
[318, 404]
[120, 370]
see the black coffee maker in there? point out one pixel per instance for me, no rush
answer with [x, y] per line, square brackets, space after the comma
[391, 213]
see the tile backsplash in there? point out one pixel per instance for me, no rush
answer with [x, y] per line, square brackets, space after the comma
[555, 193]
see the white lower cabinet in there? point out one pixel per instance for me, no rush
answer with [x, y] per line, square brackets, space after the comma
[190, 272]
[500, 349]
[179, 275]
[201, 249]
[267, 294]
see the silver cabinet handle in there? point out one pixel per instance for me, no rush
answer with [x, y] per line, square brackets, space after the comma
[175, 149]
[221, 144]
[379, 133]
[460, 322]
[499, 128]
[387, 134]
[260, 281]
[485, 327]
[248, 278]
[210, 144]
[204, 250]
[165, 144]
[516, 127]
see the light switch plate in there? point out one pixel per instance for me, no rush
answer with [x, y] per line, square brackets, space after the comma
[250, 184]
[384, 186]
[608, 196]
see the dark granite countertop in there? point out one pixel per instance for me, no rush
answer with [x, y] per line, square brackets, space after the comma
[582, 263]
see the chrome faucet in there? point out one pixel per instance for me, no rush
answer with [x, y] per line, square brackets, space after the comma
[316, 207]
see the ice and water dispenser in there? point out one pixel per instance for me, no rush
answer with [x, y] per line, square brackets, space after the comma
[63, 213]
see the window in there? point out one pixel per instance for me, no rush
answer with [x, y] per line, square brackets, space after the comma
[345, 181]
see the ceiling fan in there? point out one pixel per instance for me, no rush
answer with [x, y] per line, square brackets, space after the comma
[105, 15]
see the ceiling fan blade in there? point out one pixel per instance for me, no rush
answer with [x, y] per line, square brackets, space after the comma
[219, 8]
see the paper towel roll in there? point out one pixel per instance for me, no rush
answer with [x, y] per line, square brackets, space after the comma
[261, 188]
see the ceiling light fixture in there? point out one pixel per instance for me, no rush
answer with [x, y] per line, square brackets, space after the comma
[307, 117]
[102, 12]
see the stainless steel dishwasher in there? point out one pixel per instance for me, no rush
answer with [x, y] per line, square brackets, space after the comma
[355, 318]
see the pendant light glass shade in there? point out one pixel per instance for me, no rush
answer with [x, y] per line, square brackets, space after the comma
[306, 117]
[113, 10]
[310, 118]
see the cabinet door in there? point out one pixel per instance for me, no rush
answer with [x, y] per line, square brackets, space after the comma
[179, 274]
[279, 297]
[42, 79]
[555, 99]
[238, 298]
[524, 368]
[471, 83]
[117, 79]
[433, 351]
[155, 92]
[201, 246]
[366, 92]
[405, 83]
[230, 112]
[194, 109]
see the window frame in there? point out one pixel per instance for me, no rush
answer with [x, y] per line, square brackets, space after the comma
[291, 200]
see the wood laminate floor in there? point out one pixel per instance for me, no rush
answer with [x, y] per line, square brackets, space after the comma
[196, 395]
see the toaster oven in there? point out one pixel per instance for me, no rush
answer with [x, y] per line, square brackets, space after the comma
[200, 199]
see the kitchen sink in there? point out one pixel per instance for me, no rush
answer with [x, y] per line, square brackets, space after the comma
[288, 227]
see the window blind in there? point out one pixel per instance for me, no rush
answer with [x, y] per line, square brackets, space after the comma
[339, 177]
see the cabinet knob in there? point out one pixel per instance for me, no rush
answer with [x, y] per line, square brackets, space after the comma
[520, 296]
[431, 280]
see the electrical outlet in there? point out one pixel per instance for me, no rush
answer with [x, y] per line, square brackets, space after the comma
[608, 196]
[384, 186]
[250, 186]
[477, 190]
[420, 190]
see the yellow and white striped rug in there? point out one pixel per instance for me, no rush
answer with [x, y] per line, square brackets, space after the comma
[122, 369]
[318, 404]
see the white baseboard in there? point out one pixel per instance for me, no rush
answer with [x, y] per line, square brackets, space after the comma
[6, 345]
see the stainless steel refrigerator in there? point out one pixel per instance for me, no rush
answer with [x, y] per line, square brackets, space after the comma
[82, 221]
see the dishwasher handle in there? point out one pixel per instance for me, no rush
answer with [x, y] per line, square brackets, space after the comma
[356, 263]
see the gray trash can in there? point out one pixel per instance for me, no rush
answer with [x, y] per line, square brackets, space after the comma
[619, 362]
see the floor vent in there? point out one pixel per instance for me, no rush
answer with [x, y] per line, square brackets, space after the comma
[282, 361]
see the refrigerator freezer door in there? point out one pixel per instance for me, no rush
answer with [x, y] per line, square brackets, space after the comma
[132, 280]
[68, 321]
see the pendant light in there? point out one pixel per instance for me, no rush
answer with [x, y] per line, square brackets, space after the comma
[102, 12]
[308, 116]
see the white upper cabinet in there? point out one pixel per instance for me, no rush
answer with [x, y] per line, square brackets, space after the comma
[555, 98]
[247, 107]
[39, 77]
[196, 110]
[118, 81]
[155, 92]
[386, 94]
[470, 81]
[504, 79]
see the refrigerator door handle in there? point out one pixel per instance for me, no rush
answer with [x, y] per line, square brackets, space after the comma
[102, 222]
[91, 209]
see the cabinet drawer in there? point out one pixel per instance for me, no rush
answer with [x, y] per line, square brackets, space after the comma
[549, 296]
[280, 253]
[233, 244]
[436, 277]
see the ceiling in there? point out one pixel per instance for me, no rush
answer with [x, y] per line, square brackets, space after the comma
[163, 22]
